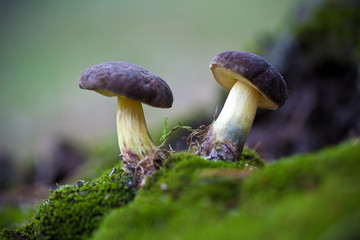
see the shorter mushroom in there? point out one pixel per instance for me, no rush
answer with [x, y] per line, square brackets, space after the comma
[252, 82]
[132, 85]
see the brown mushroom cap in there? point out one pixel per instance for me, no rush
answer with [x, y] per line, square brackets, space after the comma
[231, 66]
[127, 80]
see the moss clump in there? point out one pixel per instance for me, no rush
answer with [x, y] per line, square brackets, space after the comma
[181, 173]
[28, 232]
[186, 182]
[74, 211]
[304, 197]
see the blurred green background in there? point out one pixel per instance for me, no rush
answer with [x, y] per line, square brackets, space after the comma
[46, 45]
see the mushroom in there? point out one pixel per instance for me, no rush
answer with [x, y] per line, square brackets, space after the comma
[251, 82]
[132, 85]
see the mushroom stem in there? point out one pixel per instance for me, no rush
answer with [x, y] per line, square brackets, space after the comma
[226, 137]
[133, 137]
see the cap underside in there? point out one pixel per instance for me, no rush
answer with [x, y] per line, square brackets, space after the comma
[227, 78]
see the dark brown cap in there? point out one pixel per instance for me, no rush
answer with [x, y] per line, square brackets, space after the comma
[231, 66]
[127, 80]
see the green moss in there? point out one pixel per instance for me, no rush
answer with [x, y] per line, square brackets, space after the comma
[28, 232]
[74, 211]
[185, 181]
[303, 197]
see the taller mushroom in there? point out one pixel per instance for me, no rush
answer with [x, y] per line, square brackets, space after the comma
[252, 82]
[132, 85]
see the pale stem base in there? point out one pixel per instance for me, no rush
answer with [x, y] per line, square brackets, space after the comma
[227, 136]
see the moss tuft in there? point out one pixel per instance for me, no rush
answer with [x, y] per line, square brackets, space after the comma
[27, 232]
[74, 211]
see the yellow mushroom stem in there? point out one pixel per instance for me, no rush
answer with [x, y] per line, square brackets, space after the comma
[133, 137]
[227, 135]
[238, 113]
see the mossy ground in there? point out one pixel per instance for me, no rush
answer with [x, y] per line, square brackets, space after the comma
[303, 197]
[74, 211]
[312, 196]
